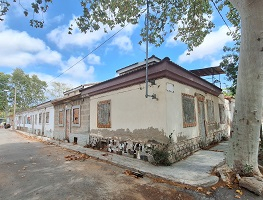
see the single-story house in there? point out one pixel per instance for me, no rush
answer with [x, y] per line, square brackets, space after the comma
[72, 116]
[183, 111]
[38, 120]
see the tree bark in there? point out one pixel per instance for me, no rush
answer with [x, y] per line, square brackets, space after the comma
[244, 142]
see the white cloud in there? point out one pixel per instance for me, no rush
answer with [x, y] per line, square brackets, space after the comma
[18, 49]
[62, 39]
[79, 71]
[215, 63]
[124, 43]
[123, 39]
[93, 59]
[62, 79]
[58, 18]
[213, 43]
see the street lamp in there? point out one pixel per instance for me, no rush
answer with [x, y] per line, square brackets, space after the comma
[14, 108]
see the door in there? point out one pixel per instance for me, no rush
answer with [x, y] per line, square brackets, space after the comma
[67, 124]
[201, 119]
[43, 123]
[33, 123]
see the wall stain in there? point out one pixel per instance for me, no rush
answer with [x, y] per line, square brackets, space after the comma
[149, 135]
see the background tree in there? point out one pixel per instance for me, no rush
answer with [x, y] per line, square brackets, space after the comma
[4, 86]
[57, 90]
[231, 58]
[191, 21]
[30, 89]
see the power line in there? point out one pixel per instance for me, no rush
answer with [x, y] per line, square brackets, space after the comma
[221, 15]
[89, 53]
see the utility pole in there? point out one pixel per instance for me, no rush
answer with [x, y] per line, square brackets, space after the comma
[14, 110]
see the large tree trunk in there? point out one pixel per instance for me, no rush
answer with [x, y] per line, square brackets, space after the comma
[244, 142]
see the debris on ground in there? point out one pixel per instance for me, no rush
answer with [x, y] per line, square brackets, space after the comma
[82, 157]
[133, 173]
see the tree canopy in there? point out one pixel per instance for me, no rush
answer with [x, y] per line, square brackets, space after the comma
[30, 90]
[57, 90]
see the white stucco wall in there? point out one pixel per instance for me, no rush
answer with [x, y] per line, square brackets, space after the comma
[131, 110]
[35, 127]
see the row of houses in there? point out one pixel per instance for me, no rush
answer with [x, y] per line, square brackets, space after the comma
[182, 112]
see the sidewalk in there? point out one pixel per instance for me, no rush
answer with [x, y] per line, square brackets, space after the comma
[194, 170]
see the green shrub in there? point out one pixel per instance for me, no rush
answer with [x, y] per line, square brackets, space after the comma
[161, 157]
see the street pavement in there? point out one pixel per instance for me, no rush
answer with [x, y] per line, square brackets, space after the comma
[34, 170]
[30, 169]
[195, 170]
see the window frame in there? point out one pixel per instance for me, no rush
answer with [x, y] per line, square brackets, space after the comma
[222, 113]
[62, 120]
[40, 118]
[187, 124]
[47, 117]
[210, 119]
[108, 124]
[72, 116]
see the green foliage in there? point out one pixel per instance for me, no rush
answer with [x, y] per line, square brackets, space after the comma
[161, 156]
[191, 20]
[231, 57]
[4, 88]
[247, 170]
[57, 90]
[30, 89]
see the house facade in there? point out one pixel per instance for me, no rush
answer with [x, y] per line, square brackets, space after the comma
[183, 112]
[38, 120]
[72, 117]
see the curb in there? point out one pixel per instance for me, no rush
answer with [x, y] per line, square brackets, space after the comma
[96, 154]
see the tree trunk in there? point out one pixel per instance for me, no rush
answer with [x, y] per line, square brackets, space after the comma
[244, 141]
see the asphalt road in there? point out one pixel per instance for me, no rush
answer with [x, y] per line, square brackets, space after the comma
[30, 169]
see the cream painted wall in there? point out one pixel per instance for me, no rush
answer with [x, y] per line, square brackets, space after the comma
[175, 112]
[130, 109]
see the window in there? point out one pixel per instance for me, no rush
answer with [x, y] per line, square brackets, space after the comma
[40, 116]
[35, 118]
[47, 117]
[189, 118]
[76, 115]
[222, 114]
[28, 120]
[60, 117]
[103, 114]
[210, 111]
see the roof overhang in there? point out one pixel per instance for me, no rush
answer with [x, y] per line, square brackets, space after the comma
[208, 71]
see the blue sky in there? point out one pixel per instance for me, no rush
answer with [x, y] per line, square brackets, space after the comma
[49, 51]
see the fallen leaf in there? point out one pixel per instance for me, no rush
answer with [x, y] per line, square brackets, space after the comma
[239, 192]
[238, 197]
[213, 188]
[208, 192]
[229, 186]
[199, 189]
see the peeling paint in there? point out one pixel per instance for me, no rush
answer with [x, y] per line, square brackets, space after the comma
[181, 137]
[150, 134]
